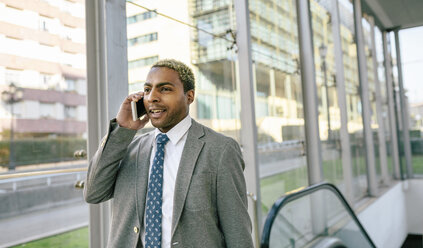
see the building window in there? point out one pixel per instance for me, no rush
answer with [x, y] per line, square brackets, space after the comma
[47, 110]
[45, 24]
[12, 76]
[45, 80]
[142, 17]
[70, 84]
[142, 62]
[142, 39]
[70, 112]
[225, 108]
[204, 107]
[136, 86]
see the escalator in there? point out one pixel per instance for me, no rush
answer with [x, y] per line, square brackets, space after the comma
[316, 217]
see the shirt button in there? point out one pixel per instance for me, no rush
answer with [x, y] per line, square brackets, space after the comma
[136, 229]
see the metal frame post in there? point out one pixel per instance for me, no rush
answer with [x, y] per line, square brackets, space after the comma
[404, 112]
[378, 95]
[365, 101]
[391, 104]
[309, 89]
[342, 102]
[107, 86]
[248, 117]
[311, 114]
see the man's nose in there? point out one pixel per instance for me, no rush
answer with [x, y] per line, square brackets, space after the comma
[153, 96]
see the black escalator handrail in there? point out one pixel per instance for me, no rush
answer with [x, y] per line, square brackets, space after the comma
[281, 202]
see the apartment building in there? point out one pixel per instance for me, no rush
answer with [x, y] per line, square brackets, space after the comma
[42, 53]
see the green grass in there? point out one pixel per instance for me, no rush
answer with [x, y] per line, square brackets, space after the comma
[273, 187]
[74, 239]
[417, 161]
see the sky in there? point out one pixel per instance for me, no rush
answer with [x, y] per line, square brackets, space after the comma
[411, 44]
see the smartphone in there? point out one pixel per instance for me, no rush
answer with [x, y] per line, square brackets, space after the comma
[138, 109]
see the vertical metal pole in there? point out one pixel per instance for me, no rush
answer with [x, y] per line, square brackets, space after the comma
[311, 122]
[248, 119]
[325, 78]
[309, 89]
[391, 106]
[365, 101]
[404, 112]
[12, 166]
[381, 130]
[107, 85]
[272, 77]
[342, 102]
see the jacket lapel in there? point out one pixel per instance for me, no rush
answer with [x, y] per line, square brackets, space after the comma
[141, 174]
[192, 149]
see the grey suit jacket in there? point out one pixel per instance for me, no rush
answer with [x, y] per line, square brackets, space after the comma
[210, 201]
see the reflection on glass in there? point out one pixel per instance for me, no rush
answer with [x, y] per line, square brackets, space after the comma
[199, 34]
[278, 99]
[354, 108]
[329, 112]
[316, 219]
[43, 118]
[411, 57]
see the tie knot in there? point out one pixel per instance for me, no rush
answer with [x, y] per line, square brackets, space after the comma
[162, 139]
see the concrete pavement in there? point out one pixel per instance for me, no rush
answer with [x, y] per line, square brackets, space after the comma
[44, 223]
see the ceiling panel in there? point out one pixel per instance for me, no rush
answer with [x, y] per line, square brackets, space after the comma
[396, 13]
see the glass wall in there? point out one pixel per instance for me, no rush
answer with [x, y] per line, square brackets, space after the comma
[329, 112]
[397, 104]
[354, 107]
[43, 107]
[43, 122]
[411, 54]
[278, 99]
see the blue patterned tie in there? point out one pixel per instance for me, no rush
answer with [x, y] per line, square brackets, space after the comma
[153, 218]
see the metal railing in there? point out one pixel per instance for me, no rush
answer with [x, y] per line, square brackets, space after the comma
[283, 201]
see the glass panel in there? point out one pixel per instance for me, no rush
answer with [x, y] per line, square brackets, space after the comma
[384, 97]
[412, 62]
[43, 119]
[354, 112]
[316, 219]
[194, 32]
[278, 99]
[397, 104]
[369, 53]
[329, 112]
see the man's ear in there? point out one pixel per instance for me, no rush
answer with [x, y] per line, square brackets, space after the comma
[190, 96]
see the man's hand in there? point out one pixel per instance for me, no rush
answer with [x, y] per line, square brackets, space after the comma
[124, 117]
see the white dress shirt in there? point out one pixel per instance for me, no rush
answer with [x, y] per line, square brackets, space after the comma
[173, 153]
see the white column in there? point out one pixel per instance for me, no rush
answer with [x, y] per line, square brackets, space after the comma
[107, 86]
[309, 89]
[342, 102]
[248, 116]
[365, 101]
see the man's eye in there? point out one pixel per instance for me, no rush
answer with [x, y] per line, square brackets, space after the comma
[147, 90]
[166, 89]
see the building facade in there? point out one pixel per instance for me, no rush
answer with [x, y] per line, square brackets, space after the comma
[42, 53]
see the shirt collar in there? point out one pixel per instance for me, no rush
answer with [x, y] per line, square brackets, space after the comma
[177, 132]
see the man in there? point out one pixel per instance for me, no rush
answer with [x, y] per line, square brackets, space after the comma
[181, 185]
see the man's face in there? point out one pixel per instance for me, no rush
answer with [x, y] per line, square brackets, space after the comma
[164, 98]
